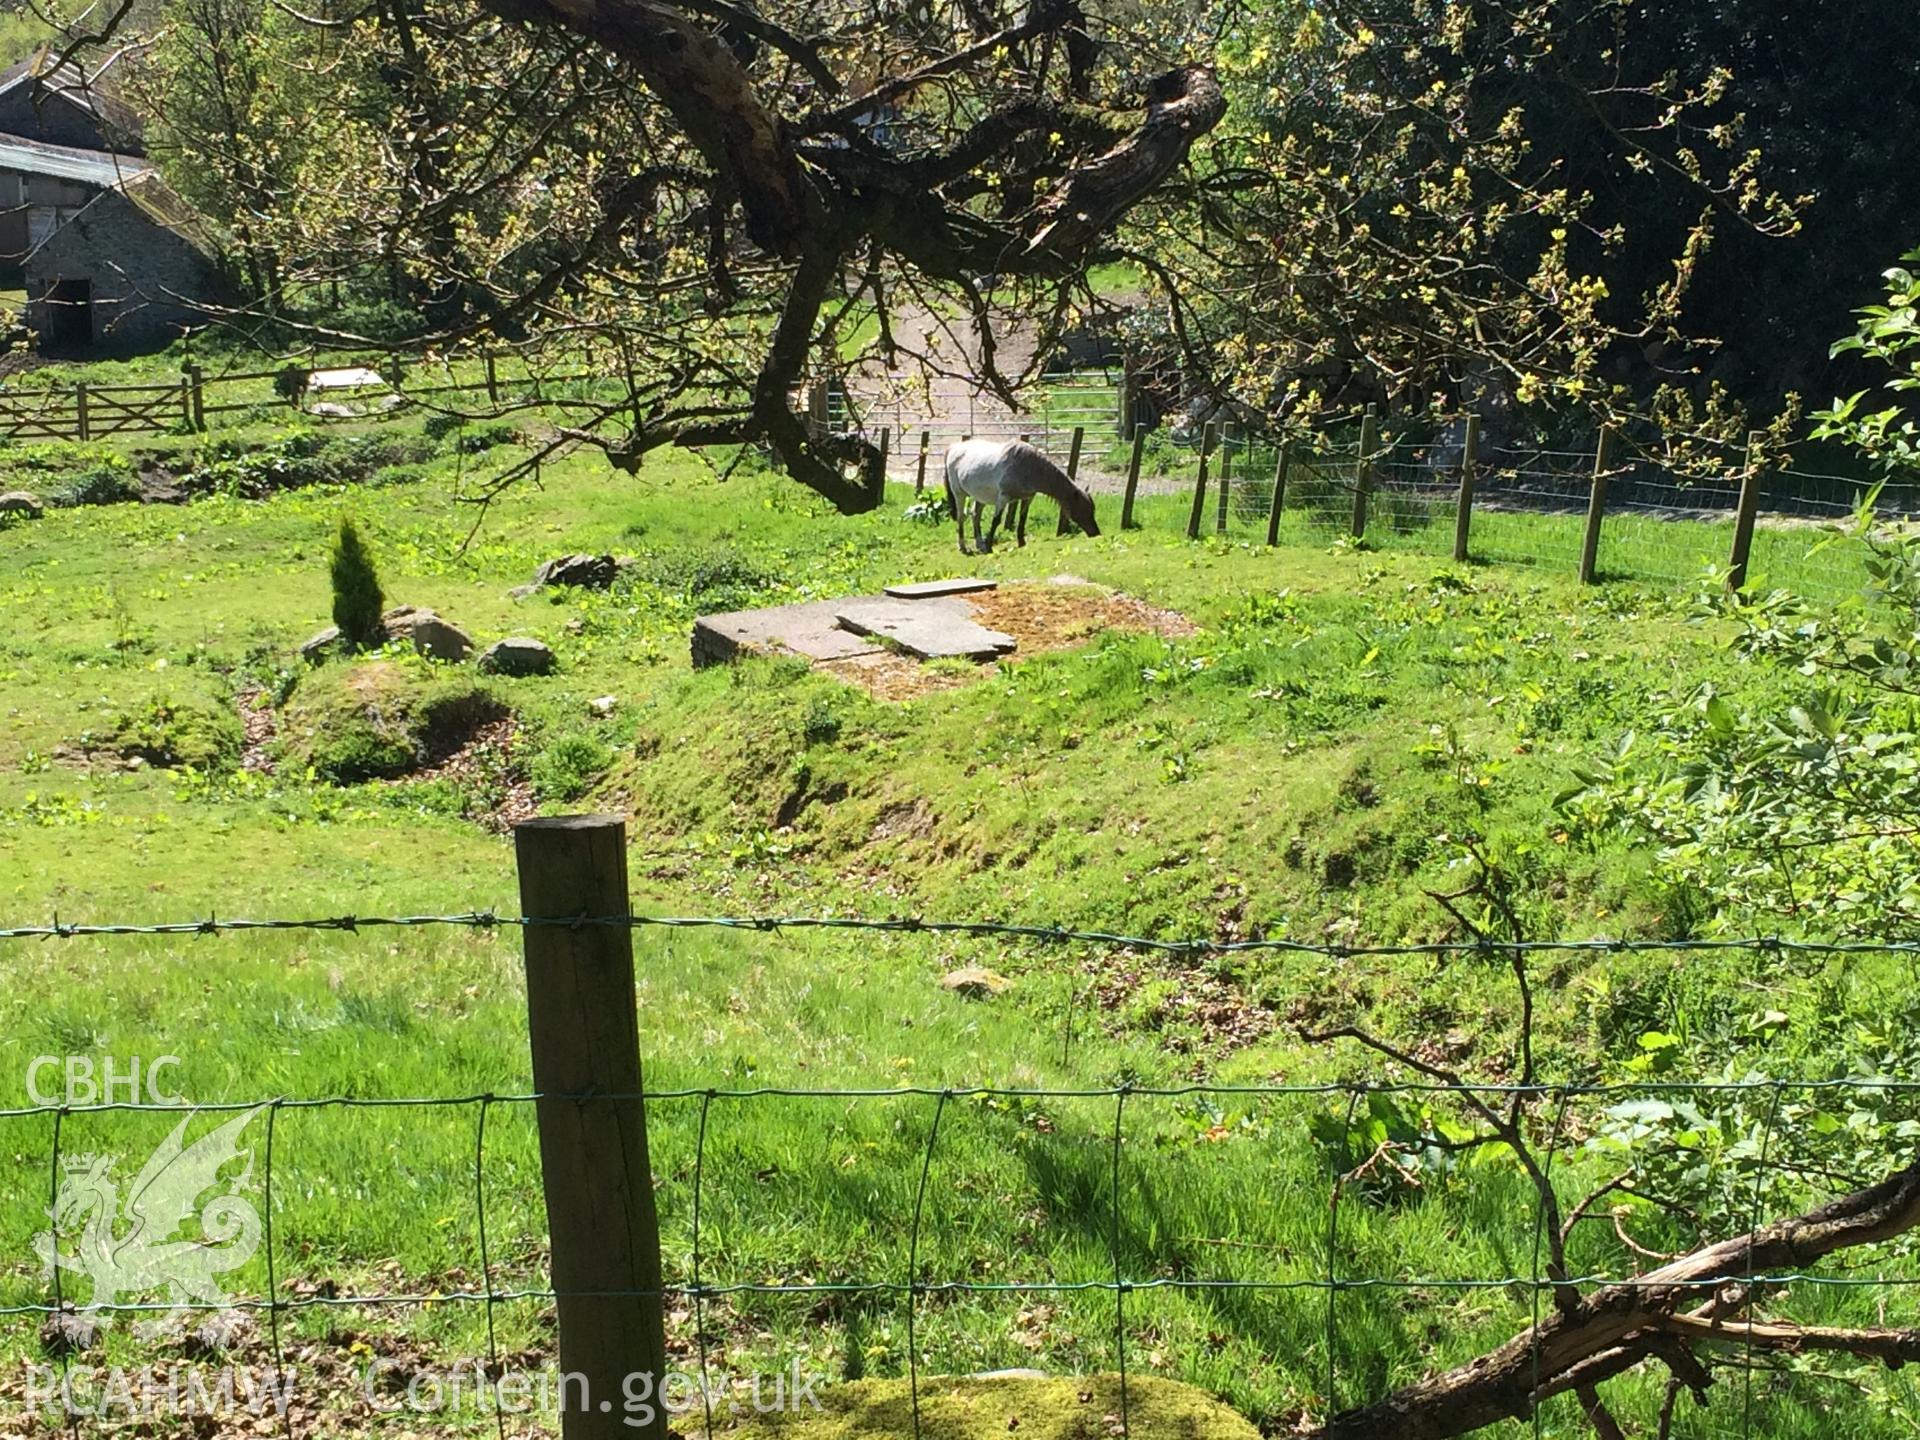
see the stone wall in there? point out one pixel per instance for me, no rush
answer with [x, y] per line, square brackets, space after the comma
[145, 277]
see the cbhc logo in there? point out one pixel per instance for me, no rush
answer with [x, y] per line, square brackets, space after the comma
[105, 1083]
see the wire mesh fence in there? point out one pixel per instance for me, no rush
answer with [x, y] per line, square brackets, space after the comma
[1657, 518]
[1348, 1234]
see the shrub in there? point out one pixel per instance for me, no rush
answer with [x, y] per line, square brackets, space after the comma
[469, 437]
[107, 483]
[348, 457]
[821, 726]
[479, 439]
[569, 767]
[357, 601]
[719, 578]
[290, 383]
[251, 471]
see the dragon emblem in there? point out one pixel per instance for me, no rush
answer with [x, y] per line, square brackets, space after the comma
[133, 1247]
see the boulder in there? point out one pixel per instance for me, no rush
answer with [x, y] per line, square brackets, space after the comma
[431, 636]
[516, 655]
[20, 502]
[439, 639]
[975, 982]
[323, 644]
[589, 572]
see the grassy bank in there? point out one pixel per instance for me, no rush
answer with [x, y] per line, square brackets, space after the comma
[1307, 763]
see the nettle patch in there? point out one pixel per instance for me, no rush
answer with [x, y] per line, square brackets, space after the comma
[164, 730]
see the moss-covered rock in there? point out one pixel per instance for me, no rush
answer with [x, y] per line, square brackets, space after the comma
[380, 720]
[1073, 1408]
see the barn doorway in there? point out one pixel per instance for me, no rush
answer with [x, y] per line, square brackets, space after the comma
[69, 315]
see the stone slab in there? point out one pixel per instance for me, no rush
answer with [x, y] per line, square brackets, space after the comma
[810, 630]
[934, 589]
[942, 628]
[354, 377]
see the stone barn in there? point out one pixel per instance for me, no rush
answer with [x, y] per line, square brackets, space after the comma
[110, 258]
[130, 269]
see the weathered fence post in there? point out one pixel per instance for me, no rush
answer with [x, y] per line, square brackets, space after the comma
[1463, 509]
[880, 475]
[1743, 517]
[1133, 477]
[1226, 482]
[584, 1027]
[198, 377]
[1363, 473]
[82, 424]
[1200, 482]
[493, 382]
[1279, 500]
[186, 400]
[1073, 472]
[1596, 506]
[920, 472]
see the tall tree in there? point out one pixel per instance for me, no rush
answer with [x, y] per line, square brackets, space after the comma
[698, 192]
[1423, 202]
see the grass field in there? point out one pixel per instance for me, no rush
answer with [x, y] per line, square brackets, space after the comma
[1306, 764]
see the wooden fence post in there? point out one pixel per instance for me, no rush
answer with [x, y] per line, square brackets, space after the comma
[493, 382]
[81, 421]
[1596, 507]
[1463, 509]
[186, 399]
[584, 1027]
[1073, 472]
[1225, 494]
[880, 476]
[1133, 477]
[1743, 517]
[1279, 500]
[1200, 482]
[920, 473]
[1363, 473]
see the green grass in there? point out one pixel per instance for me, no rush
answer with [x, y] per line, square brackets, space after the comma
[1303, 765]
[1050, 1409]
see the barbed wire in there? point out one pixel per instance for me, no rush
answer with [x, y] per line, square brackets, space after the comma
[57, 929]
